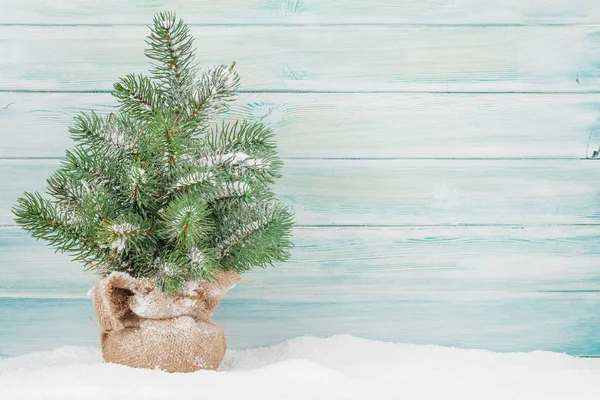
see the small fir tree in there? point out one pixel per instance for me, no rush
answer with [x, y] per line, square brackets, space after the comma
[159, 189]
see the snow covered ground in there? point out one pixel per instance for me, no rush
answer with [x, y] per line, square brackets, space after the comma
[339, 367]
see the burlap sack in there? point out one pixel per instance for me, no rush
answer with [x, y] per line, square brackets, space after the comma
[142, 328]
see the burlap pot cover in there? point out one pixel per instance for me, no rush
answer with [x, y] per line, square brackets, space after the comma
[142, 328]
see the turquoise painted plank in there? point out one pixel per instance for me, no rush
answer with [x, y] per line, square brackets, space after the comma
[343, 264]
[319, 58]
[303, 11]
[403, 192]
[37, 324]
[550, 321]
[432, 192]
[29, 266]
[367, 125]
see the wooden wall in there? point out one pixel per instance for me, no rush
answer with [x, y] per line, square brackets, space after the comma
[435, 156]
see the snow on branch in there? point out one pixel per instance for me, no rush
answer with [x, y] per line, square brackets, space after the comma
[192, 179]
[234, 159]
[214, 91]
[121, 232]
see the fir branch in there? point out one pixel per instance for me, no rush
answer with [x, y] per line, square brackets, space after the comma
[66, 188]
[117, 234]
[142, 188]
[255, 236]
[185, 221]
[202, 264]
[213, 93]
[250, 147]
[167, 145]
[77, 200]
[91, 168]
[43, 221]
[138, 96]
[193, 179]
[98, 173]
[171, 48]
[232, 190]
[169, 276]
[250, 137]
[200, 260]
[125, 237]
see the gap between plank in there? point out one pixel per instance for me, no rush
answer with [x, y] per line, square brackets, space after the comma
[283, 91]
[293, 24]
[284, 159]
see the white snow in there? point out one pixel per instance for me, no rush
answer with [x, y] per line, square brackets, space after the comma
[121, 230]
[192, 179]
[339, 367]
[198, 259]
[147, 306]
[237, 158]
[256, 163]
[236, 188]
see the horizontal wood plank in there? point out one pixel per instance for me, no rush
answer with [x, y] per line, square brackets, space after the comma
[550, 321]
[432, 192]
[303, 11]
[366, 125]
[318, 58]
[403, 192]
[339, 264]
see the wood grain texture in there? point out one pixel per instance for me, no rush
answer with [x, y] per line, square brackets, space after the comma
[303, 11]
[547, 321]
[374, 125]
[370, 264]
[318, 58]
[403, 192]
[431, 192]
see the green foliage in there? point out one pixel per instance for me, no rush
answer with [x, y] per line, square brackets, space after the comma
[159, 189]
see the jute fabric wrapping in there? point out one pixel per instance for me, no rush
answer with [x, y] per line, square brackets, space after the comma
[142, 328]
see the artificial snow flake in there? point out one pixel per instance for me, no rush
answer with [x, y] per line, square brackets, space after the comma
[68, 215]
[222, 77]
[233, 189]
[166, 158]
[121, 231]
[117, 137]
[256, 163]
[137, 176]
[165, 23]
[86, 186]
[119, 244]
[237, 235]
[197, 258]
[235, 159]
[192, 179]
[223, 159]
[227, 76]
[166, 267]
[184, 213]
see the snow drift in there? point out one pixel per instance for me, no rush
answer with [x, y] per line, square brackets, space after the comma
[339, 367]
